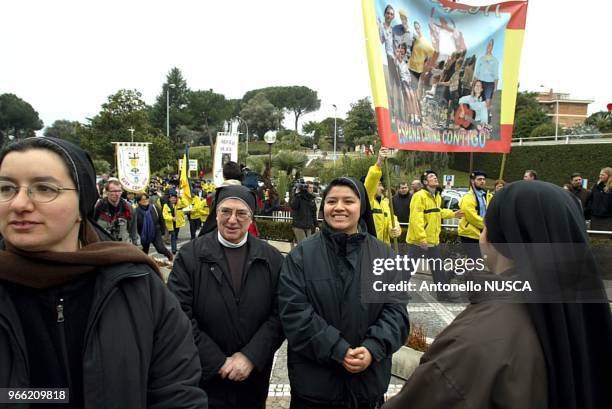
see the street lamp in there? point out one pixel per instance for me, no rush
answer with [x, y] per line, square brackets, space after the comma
[270, 138]
[168, 109]
[335, 128]
[132, 132]
[247, 133]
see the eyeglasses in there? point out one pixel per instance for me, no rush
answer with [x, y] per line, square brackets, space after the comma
[40, 192]
[226, 213]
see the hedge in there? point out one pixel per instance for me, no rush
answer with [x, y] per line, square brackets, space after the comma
[554, 163]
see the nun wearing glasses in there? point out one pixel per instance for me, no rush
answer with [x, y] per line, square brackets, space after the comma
[77, 310]
[226, 282]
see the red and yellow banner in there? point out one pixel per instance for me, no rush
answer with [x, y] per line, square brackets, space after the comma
[444, 75]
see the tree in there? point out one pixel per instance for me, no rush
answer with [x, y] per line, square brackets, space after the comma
[64, 129]
[260, 114]
[288, 161]
[324, 129]
[123, 110]
[360, 122]
[529, 114]
[209, 111]
[602, 120]
[178, 102]
[545, 129]
[298, 99]
[17, 117]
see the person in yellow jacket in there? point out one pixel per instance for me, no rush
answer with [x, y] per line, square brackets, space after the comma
[195, 215]
[425, 225]
[386, 229]
[474, 206]
[174, 218]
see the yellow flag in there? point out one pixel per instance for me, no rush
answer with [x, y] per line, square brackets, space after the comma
[185, 188]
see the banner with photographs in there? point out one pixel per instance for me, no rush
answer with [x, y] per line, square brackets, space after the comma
[133, 165]
[226, 149]
[444, 75]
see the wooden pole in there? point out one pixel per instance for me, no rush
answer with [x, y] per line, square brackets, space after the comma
[471, 162]
[503, 167]
[388, 177]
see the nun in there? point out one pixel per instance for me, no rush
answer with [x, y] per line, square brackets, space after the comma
[77, 310]
[226, 282]
[545, 347]
[340, 346]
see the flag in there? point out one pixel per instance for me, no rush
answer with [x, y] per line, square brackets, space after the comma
[185, 188]
[444, 75]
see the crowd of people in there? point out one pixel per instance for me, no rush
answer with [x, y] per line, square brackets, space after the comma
[83, 308]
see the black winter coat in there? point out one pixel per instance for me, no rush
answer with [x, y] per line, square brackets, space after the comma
[322, 315]
[223, 322]
[600, 203]
[304, 210]
[138, 352]
[401, 207]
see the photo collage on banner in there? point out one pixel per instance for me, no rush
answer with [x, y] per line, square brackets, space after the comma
[226, 149]
[444, 75]
[133, 166]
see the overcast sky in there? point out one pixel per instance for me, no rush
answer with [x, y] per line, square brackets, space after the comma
[65, 57]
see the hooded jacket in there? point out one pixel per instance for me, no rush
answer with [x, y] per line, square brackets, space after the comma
[322, 315]
[471, 224]
[426, 218]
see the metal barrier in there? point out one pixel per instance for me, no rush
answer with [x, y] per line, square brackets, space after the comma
[285, 216]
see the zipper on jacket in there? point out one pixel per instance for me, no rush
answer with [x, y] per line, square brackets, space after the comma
[99, 305]
[62, 338]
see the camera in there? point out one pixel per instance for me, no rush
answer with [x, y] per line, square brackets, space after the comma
[115, 230]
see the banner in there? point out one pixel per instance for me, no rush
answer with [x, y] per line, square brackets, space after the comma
[133, 165]
[193, 165]
[226, 149]
[184, 178]
[444, 75]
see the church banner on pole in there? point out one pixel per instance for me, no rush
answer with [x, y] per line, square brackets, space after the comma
[444, 75]
[226, 149]
[133, 165]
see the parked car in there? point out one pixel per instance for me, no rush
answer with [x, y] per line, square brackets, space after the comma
[450, 200]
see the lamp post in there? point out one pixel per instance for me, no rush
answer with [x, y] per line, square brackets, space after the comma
[270, 138]
[168, 109]
[132, 132]
[247, 133]
[335, 128]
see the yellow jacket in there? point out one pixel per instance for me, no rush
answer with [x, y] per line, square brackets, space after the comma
[471, 224]
[426, 218]
[204, 209]
[196, 208]
[180, 215]
[381, 211]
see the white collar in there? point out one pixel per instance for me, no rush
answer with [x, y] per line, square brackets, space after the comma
[229, 244]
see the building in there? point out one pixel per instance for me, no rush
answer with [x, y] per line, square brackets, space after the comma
[563, 108]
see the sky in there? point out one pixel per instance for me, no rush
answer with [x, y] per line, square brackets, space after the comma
[65, 57]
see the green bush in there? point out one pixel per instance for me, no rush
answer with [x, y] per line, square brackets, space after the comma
[554, 163]
[273, 230]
